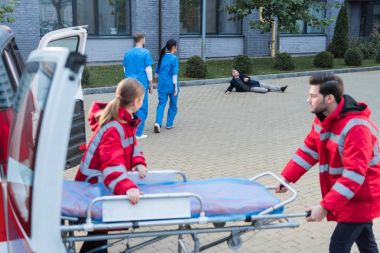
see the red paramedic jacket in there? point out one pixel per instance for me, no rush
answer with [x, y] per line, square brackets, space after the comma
[346, 146]
[112, 151]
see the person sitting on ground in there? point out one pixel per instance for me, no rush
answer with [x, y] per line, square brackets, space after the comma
[243, 83]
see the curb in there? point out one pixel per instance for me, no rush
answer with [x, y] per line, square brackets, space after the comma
[89, 91]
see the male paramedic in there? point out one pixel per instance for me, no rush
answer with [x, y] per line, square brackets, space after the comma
[344, 141]
[137, 64]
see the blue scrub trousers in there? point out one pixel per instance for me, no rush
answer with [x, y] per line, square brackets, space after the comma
[142, 113]
[172, 111]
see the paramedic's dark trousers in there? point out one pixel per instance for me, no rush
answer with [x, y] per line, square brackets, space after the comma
[346, 234]
[91, 245]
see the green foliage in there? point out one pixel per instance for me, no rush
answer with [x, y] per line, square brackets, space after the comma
[6, 10]
[285, 12]
[378, 56]
[324, 59]
[85, 77]
[369, 45]
[196, 67]
[243, 63]
[353, 57]
[284, 61]
[340, 41]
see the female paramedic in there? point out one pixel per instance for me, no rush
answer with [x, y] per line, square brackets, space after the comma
[168, 87]
[112, 149]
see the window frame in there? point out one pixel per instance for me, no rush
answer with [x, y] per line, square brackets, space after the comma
[96, 19]
[217, 25]
[74, 11]
[304, 29]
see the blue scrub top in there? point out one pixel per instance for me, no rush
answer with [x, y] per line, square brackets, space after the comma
[169, 67]
[135, 61]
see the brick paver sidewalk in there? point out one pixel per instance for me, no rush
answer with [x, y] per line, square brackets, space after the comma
[241, 135]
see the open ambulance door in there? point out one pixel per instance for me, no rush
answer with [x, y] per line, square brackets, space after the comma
[43, 109]
[73, 38]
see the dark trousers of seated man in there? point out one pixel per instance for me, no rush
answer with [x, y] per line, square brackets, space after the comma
[346, 234]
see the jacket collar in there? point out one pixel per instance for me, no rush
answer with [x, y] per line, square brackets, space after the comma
[131, 119]
[347, 105]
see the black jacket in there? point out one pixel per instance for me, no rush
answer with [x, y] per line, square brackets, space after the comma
[242, 86]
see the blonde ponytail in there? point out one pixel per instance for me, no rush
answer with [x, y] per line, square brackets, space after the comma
[126, 92]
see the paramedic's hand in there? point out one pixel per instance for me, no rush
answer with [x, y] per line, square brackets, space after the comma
[175, 90]
[246, 79]
[280, 188]
[133, 195]
[141, 169]
[150, 87]
[318, 213]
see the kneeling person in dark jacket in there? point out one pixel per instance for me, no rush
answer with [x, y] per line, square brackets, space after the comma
[243, 83]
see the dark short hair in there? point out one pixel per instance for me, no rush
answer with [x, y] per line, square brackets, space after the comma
[138, 37]
[329, 83]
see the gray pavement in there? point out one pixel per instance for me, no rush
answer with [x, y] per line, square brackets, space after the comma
[241, 135]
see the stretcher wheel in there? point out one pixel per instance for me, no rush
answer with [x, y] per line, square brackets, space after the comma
[234, 242]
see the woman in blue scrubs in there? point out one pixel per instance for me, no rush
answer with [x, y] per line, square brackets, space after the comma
[168, 87]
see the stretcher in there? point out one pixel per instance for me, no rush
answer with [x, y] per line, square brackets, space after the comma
[174, 206]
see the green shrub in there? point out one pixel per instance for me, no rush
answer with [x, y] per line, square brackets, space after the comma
[243, 63]
[340, 41]
[368, 45]
[374, 44]
[353, 57]
[378, 56]
[324, 59]
[85, 77]
[284, 61]
[196, 68]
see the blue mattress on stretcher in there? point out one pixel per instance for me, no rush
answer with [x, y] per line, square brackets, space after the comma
[222, 197]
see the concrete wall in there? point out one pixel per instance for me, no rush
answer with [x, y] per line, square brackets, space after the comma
[170, 22]
[104, 50]
[146, 21]
[27, 26]
[303, 44]
[215, 46]
[256, 43]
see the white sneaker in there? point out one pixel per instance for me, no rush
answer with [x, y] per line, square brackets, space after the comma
[157, 128]
[169, 127]
[143, 136]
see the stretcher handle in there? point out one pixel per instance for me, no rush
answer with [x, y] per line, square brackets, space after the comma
[152, 172]
[282, 182]
[142, 197]
[281, 215]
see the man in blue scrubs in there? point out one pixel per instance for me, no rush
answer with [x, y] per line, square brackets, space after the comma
[137, 64]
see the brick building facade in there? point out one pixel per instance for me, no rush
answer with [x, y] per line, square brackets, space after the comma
[112, 23]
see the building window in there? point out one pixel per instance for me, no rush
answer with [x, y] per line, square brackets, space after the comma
[376, 18]
[190, 16]
[217, 19]
[103, 17]
[55, 14]
[303, 27]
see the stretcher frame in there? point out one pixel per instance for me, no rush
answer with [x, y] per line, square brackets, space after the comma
[262, 221]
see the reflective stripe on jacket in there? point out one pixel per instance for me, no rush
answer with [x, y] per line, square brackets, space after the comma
[111, 152]
[346, 146]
